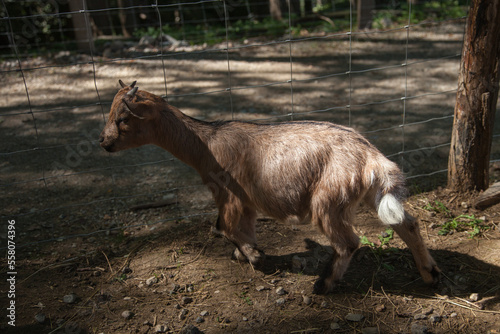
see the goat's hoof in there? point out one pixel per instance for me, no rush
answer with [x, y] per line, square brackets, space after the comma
[436, 276]
[239, 256]
[321, 287]
[257, 258]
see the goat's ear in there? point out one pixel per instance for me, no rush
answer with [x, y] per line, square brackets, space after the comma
[124, 85]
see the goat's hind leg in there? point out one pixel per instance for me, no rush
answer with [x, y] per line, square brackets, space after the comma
[409, 231]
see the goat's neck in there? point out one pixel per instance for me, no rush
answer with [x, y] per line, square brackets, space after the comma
[184, 137]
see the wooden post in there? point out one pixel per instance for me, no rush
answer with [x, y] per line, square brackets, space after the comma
[468, 164]
[365, 13]
[80, 25]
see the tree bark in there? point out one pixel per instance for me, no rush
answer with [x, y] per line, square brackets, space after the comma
[275, 9]
[82, 36]
[468, 164]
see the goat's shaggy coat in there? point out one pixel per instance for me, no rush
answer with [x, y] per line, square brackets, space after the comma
[291, 171]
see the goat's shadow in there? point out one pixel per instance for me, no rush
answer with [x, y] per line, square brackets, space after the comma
[394, 270]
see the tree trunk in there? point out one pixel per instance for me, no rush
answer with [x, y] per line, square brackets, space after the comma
[365, 13]
[275, 9]
[468, 164]
[82, 36]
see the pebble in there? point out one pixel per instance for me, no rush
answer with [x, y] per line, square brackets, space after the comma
[70, 299]
[187, 300]
[152, 280]
[280, 301]
[435, 318]
[244, 319]
[261, 288]
[40, 318]
[380, 308]
[280, 291]
[419, 329]
[172, 288]
[420, 316]
[334, 325]
[199, 320]
[161, 328]
[474, 297]
[355, 317]
[307, 300]
[453, 315]
[127, 314]
[204, 313]
[190, 329]
[370, 330]
[183, 314]
[324, 304]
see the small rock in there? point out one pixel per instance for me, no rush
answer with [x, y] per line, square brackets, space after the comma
[334, 325]
[204, 313]
[474, 297]
[324, 304]
[70, 299]
[380, 308]
[161, 329]
[434, 318]
[190, 329]
[355, 317]
[183, 314]
[199, 320]
[190, 288]
[187, 300]
[307, 300]
[417, 328]
[261, 288]
[127, 314]
[420, 317]
[280, 291]
[152, 280]
[369, 330]
[244, 319]
[147, 323]
[453, 315]
[172, 288]
[280, 301]
[40, 318]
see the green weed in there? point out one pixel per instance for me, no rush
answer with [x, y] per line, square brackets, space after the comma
[469, 223]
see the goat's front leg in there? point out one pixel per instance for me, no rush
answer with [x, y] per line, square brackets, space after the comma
[408, 231]
[238, 226]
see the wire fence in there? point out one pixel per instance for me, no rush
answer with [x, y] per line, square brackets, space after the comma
[395, 84]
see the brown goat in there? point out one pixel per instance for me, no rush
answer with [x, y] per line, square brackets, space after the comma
[291, 171]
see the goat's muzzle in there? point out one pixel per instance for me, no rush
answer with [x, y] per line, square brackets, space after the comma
[104, 145]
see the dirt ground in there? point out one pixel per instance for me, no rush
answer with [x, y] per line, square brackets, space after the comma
[88, 260]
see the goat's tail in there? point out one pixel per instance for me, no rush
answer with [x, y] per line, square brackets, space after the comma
[390, 193]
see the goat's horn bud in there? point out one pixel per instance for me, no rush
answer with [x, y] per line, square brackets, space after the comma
[132, 91]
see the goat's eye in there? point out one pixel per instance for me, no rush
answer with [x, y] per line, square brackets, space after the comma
[123, 120]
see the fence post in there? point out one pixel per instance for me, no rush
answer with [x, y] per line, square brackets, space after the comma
[80, 25]
[468, 164]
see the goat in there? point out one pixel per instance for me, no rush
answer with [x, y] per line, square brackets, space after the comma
[291, 171]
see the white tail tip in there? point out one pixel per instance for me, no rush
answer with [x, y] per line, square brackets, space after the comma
[390, 210]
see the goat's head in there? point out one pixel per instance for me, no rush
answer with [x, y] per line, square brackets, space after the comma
[131, 119]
